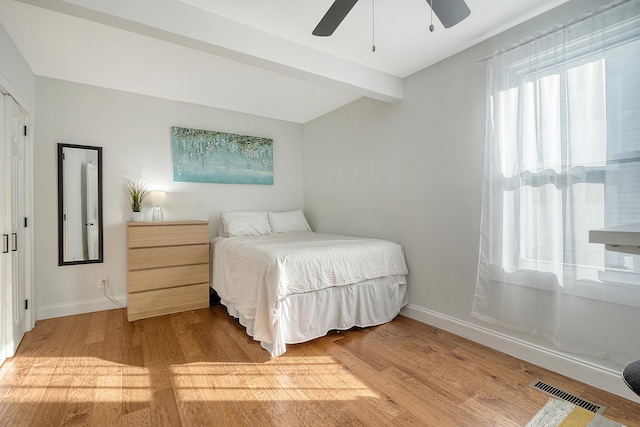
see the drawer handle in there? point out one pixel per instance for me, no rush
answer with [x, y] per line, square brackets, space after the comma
[5, 243]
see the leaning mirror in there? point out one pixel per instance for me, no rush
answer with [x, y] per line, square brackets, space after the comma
[79, 204]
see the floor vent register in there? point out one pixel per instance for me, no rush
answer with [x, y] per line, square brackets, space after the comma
[571, 398]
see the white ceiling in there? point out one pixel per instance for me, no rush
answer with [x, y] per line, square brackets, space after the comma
[252, 56]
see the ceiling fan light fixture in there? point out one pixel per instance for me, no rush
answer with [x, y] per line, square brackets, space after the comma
[449, 12]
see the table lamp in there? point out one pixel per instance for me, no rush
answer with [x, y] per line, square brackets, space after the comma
[156, 199]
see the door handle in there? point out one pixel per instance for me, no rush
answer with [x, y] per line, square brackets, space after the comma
[5, 243]
[15, 241]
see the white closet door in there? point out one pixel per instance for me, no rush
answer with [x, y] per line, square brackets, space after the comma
[14, 121]
[5, 227]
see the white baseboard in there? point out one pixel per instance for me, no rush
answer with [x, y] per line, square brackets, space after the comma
[80, 307]
[556, 361]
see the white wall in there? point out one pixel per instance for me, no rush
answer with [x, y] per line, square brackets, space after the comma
[135, 133]
[15, 75]
[412, 172]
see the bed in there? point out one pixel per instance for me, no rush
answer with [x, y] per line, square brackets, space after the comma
[287, 284]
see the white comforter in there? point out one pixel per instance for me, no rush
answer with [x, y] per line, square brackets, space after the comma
[254, 274]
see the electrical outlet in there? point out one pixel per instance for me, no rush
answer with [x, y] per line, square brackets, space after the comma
[104, 283]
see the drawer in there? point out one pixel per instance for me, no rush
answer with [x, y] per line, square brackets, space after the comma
[160, 278]
[165, 301]
[141, 236]
[167, 256]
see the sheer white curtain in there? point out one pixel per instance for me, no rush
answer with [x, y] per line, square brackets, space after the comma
[562, 157]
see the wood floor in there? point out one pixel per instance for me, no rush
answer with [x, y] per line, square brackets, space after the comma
[200, 368]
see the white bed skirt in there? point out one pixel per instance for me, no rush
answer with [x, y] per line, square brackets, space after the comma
[306, 316]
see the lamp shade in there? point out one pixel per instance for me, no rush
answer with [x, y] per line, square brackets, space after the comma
[156, 198]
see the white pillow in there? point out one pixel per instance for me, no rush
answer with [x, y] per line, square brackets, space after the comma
[245, 224]
[284, 222]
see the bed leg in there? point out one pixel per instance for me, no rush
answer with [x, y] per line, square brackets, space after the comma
[214, 299]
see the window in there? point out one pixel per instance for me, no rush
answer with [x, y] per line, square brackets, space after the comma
[569, 154]
[562, 157]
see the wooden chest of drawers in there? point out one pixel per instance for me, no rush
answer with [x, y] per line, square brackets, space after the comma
[167, 267]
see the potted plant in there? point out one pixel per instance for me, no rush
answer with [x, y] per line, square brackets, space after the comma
[135, 191]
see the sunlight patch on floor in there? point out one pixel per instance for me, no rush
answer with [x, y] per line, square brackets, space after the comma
[82, 379]
[74, 379]
[297, 379]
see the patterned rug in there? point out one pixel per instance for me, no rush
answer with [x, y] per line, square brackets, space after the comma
[564, 414]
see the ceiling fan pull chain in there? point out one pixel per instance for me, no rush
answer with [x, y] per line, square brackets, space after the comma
[373, 25]
[431, 27]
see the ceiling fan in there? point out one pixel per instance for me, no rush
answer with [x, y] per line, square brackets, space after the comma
[449, 12]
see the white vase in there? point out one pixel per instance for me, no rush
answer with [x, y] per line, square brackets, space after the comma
[137, 216]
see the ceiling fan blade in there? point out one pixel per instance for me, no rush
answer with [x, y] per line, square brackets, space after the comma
[449, 12]
[334, 16]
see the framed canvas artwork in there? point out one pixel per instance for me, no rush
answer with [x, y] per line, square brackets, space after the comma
[209, 156]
